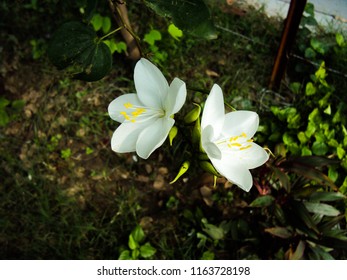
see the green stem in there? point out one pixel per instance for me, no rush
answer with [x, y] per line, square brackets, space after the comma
[111, 33]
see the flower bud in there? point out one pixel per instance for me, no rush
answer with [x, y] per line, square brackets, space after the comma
[172, 134]
[208, 167]
[203, 156]
[184, 167]
[193, 115]
[196, 132]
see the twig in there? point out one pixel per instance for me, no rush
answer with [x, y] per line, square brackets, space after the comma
[120, 14]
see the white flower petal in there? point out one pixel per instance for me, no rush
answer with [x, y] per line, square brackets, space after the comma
[176, 97]
[251, 157]
[234, 173]
[209, 147]
[123, 104]
[239, 122]
[125, 137]
[151, 85]
[213, 113]
[212, 150]
[153, 136]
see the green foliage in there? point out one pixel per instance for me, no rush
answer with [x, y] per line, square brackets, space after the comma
[136, 246]
[152, 38]
[9, 110]
[302, 210]
[66, 153]
[314, 126]
[76, 46]
[101, 23]
[38, 48]
[175, 32]
[84, 206]
[199, 23]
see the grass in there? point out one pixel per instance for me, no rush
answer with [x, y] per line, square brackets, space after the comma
[65, 195]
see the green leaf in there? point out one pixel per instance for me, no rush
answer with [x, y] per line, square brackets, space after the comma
[319, 252]
[327, 110]
[97, 21]
[175, 32]
[288, 139]
[207, 255]
[135, 254]
[321, 74]
[326, 196]
[300, 212]
[330, 223]
[18, 104]
[333, 174]
[318, 46]
[311, 129]
[106, 24]
[96, 63]
[4, 118]
[152, 37]
[216, 233]
[4, 102]
[132, 243]
[147, 251]
[309, 9]
[310, 89]
[125, 255]
[299, 251]
[340, 152]
[138, 234]
[281, 232]
[295, 87]
[314, 116]
[111, 44]
[121, 47]
[66, 153]
[321, 209]
[319, 148]
[310, 53]
[302, 137]
[282, 177]
[312, 161]
[76, 45]
[192, 16]
[305, 166]
[262, 201]
[305, 151]
[340, 40]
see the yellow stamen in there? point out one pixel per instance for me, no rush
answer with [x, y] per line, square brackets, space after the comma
[138, 112]
[128, 105]
[125, 115]
[243, 134]
[234, 144]
[245, 148]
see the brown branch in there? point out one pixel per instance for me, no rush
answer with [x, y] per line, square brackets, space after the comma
[120, 14]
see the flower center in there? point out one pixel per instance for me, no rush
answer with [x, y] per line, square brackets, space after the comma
[237, 143]
[133, 113]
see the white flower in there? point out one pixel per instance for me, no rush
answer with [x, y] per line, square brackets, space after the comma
[227, 140]
[146, 117]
